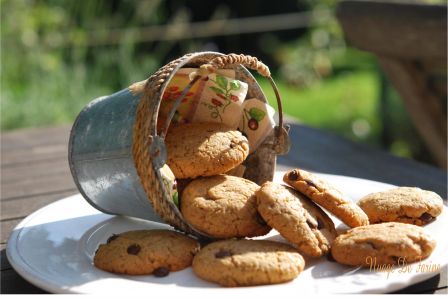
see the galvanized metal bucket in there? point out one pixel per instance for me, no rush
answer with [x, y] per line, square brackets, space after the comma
[115, 151]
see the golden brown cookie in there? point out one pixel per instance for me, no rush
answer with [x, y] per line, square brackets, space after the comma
[402, 204]
[385, 243]
[146, 252]
[223, 206]
[204, 149]
[233, 263]
[296, 218]
[327, 196]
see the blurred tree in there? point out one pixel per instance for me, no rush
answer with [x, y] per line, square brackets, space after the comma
[56, 55]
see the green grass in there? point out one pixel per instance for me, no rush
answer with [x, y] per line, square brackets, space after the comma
[53, 100]
[56, 96]
[346, 104]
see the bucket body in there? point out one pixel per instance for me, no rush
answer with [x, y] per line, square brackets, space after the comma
[116, 179]
[101, 160]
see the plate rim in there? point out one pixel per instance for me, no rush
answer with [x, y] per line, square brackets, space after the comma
[23, 270]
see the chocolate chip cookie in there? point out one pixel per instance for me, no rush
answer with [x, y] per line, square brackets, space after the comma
[327, 196]
[296, 218]
[385, 243]
[233, 263]
[146, 252]
[402, 204]
[204, 149]
[223, 206]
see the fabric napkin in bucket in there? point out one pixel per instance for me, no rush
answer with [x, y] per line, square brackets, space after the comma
[219, 98]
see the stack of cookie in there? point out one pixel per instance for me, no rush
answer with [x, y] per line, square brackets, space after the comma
[385, 225]
[205, 159]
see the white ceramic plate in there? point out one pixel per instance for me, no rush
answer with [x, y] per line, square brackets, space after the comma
[53, 249]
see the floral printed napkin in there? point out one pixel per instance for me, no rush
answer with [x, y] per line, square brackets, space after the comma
[174, 89]
[186, 110]
[221, 101]
[257, 121]
[219, 98]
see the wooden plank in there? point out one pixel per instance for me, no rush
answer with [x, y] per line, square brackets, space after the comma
[21, 156]
[37, 186]
[19, 172]
[6, 228]
[24, 206]
[324, 152]
[424, 107]
[35, 137]
[406, 30]
[392, 31]
[26, 146]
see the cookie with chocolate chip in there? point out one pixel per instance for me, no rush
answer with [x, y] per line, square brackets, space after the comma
[296, 218]
[402, 204]
[156, 252]
[379, 244]
[327, 196]
[223, 206]
[204, 149]
[234, 263]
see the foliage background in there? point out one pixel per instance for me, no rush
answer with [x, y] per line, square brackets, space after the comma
[57, 55]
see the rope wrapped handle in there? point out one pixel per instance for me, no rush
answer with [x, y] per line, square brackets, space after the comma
[234, 59]
[282, 145]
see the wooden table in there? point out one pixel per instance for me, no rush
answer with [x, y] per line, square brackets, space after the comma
[34, 173]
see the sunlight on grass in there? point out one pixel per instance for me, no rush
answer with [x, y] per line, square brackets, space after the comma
[336, 104]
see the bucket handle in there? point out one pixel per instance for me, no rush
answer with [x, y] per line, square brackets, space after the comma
[282, 143]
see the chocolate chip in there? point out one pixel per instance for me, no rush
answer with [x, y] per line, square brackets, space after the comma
[161, 272]
[320, 224]
[232, 145]
[223, 253]
[426, 217]
[310, 183]
[112, 238]
[133, 249]
[293, 175]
